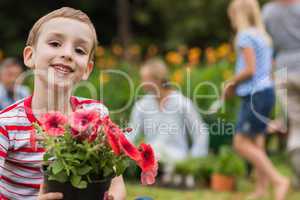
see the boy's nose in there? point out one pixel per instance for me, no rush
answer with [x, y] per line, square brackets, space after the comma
[67, 53]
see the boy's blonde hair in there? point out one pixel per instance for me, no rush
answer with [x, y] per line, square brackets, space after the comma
[247, 14]
[65, 12]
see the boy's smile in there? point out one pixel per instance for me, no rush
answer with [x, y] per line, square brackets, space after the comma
[61, 56]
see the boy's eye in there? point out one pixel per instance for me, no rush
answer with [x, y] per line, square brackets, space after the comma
[80, 51]
[54, 44]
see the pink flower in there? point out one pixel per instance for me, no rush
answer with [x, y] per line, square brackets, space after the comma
[129, 149]
[53, 123]
[113, 140]
[148, 177]
[90, 134]
[148, 164]
[93, 133]
[81, 120]
[147, 161]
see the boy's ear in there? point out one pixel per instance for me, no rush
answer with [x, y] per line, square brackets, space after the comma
[88, 70]
[28, 56]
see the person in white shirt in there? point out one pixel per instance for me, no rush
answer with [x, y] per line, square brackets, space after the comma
[165, 116]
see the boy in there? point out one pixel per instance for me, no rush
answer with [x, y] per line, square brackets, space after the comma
[60, 50]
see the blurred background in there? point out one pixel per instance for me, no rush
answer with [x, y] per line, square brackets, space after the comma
[194, 38]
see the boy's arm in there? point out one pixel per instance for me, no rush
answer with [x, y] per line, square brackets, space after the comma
[117, 188]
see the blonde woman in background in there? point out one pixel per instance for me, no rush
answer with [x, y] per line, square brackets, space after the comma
[253, 84]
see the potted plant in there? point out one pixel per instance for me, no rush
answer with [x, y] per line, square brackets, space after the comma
[227, 168]
[201, 168]
[84, 152]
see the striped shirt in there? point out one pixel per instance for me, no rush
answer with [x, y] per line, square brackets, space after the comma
[252, 38]
[20, 170]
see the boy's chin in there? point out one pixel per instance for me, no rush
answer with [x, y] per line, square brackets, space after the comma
[61, 84]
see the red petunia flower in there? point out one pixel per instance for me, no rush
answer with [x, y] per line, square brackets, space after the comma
[81, 120]
[93, 133]
[53, 123]
[129, 149]
[148, 177]
[113, 140]
[147, 161]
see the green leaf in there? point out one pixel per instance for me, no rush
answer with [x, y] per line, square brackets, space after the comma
[60, 177]
[84, 170]
[82, 185]
[121, 166]
[107, 171]
[75, 180]
[57, 166]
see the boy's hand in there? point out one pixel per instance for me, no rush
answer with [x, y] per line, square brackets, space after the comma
[107, 196]
[50, 195]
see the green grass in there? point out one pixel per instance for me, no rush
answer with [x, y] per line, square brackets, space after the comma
[244, 187]
[135, 190]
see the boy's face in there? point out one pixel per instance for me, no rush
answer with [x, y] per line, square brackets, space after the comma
[150, 84]
[61, 56]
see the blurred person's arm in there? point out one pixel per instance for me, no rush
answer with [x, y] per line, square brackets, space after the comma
[246, 73]
[197, 130]
[136, 123]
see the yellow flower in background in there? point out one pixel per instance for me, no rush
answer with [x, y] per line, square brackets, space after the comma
[152, 51]
[135, 50]
[223, 50]
[1, 54]
[177, 76]
[227, 74]
[174, 57]
[100, 62]
[194, 55]
[104, 78]
[117, 50]
[110, 62]
[100, 51]
[210, 55]
[106, 63]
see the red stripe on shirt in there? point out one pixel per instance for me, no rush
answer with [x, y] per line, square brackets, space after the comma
[19, 165]
[15, 192]
[9, 108]
[2, 197]
[3, 154]
[4, 132]
[37, 186]
[29, 150]
[18, 128]
[19, 175]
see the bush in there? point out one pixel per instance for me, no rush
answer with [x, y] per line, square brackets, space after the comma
[228, 163]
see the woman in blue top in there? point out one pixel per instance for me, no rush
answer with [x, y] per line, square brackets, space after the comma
[253, 84]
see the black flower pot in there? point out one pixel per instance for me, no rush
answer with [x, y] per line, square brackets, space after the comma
[94, 190]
